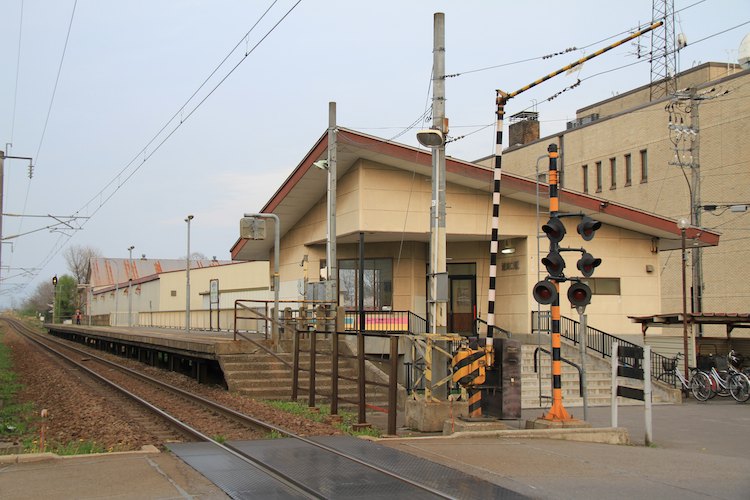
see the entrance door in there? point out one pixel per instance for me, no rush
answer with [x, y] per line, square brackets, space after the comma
[462, 305]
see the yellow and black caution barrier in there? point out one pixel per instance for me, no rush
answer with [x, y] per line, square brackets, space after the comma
[469, 371]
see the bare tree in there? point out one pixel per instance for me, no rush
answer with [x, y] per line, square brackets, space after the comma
[78, 259]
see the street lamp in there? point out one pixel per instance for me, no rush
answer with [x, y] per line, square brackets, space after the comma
[683, 224]
[187, 277]
[130, 287]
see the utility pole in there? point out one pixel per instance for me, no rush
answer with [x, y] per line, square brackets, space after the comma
[2, 190]
[689, 156]
[332, 273]
[187, 277]
[434, 138]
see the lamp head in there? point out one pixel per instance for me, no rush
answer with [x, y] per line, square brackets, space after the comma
[431, 138]
[683, 223]
[189, 218]
[321, 164]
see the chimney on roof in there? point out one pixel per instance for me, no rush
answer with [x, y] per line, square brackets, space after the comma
[524, 128]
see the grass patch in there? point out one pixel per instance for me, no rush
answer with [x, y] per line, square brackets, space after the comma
[322, 413]
[13, 416]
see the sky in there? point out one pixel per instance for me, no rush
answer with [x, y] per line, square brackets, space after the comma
[139, 113]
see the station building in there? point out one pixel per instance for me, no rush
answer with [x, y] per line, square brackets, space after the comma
[383, 197]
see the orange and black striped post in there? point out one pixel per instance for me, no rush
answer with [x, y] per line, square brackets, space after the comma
[469, 367]
[557, 411]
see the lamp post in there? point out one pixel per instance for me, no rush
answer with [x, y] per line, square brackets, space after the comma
[187, 277]
[683, 224]
[130, 287]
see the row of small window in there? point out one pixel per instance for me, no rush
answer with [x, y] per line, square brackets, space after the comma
[628, 166]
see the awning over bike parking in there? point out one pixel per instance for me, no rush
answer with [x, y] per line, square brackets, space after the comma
[676, 320]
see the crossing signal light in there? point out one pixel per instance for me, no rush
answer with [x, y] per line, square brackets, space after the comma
[54, 280]
[545, 292]
[587, 264]
[554, 229]
[579, 294]
[554, 263]
[588, 227]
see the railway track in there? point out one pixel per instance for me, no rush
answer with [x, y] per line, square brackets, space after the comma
[228, 432]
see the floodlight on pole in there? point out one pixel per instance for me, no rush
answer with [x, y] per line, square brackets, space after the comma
[431, 138]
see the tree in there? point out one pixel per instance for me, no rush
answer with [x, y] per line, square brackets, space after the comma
[40, 302]
[78, 258]
[67, 297]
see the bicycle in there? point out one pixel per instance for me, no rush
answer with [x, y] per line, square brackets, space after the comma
[730, 381]
[699, 384]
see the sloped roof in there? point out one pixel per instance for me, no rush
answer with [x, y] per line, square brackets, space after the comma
[307, 184]
[108, 271]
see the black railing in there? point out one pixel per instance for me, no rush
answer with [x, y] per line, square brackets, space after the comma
[496, 329]
[596, 340]
[386, 322]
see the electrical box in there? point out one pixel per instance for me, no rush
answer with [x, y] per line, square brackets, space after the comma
[501, 391]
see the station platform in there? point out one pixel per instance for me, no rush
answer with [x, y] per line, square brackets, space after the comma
[197, 343]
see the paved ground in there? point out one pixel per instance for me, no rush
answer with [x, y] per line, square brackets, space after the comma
[701, 451]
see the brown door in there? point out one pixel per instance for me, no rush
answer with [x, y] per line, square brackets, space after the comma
[462, 305]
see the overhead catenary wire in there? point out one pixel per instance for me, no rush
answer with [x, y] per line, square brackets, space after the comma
[145, 154]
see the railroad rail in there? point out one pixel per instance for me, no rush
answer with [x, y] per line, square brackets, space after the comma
[124, 380]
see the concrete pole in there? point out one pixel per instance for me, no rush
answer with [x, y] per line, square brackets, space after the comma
[130, 287]
[331, 264]
[438, 268]
[695, 214]
[187, 277]
[2, 190]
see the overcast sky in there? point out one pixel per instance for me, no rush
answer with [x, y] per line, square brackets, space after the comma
[107, 146]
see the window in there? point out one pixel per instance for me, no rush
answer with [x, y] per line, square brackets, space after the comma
[585, 175]
[628, 170]
[598, 177]
[644, 165]
[378, 283]
[613, 172]
[603, 286]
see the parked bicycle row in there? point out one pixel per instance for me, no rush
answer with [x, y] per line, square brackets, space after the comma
[724, 376]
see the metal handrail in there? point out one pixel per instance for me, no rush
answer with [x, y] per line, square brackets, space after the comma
[596, 340]
[580, 372]
[494, 327]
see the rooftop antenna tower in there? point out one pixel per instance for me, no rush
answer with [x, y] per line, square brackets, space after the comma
[663, 51]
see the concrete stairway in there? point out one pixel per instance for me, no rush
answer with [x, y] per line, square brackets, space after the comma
[261, 375]
[598, 379]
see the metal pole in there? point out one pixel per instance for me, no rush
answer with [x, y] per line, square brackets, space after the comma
[187, 277]
[647, 392]
[557, 411]
[582, 345]
[615, 362]
[684, 310]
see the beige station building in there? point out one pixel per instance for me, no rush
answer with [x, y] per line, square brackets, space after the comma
[618, 166]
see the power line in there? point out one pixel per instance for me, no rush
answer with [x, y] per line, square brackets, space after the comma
[64, 237]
